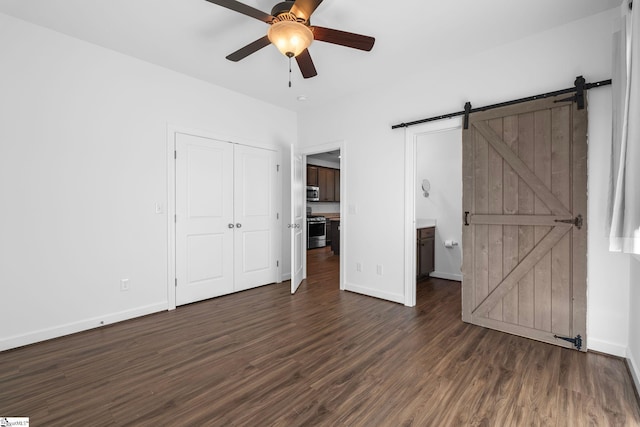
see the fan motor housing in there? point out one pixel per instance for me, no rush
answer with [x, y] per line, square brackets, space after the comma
[284, 8]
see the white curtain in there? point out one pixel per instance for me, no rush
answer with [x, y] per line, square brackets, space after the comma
[625, 166]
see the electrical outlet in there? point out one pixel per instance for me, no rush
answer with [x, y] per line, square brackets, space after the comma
[358, 267]
[124, 285]
[379, 269]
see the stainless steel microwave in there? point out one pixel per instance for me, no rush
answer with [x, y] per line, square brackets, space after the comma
[313, 194]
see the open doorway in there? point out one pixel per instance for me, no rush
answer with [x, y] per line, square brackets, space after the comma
[327, 208]
[323, 223]
[433, 207]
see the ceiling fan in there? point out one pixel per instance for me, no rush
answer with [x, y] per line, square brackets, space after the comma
[290, 30]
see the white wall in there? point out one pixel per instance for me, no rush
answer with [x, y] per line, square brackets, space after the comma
[375, 177]
[607, 272]
[633, 353]
[324, 207]
[439, 159]
[83, 163]
[320, 162]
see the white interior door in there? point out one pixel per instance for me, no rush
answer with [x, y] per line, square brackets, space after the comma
[297, 218]
[204, 212]
[255, 172]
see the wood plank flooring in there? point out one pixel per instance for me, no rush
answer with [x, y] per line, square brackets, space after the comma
[322, 357]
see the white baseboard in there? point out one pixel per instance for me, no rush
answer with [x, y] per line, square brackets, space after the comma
[606, 347]
[82, 325]
[447, 276]
[634, 368]
[399, 298]
[285, 277]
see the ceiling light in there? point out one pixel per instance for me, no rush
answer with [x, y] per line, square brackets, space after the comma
[290, 37]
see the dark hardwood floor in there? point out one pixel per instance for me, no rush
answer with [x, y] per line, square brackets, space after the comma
[322, 357]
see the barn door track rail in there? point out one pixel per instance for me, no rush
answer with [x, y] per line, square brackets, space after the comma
[580, 87]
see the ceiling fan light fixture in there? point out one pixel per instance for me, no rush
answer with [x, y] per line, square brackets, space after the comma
[290, 37]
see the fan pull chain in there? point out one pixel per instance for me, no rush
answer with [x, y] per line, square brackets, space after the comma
[290, 71]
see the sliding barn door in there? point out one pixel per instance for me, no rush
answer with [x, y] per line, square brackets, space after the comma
[525, 207]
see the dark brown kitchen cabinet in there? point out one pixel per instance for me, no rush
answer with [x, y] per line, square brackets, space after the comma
[312, 176]
[327, 179]
[326, 182]
[426, 251]
[335, 240]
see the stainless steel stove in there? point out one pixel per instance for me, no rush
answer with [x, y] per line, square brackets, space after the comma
[316, 231]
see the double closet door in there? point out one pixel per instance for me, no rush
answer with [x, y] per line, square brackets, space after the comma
[225, 218]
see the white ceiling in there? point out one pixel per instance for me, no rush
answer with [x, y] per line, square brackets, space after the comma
[194, 36]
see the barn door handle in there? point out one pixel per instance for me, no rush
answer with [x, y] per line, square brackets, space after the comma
[466, 218]
[577, 221]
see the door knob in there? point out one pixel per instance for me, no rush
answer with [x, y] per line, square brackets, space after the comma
[238, 225]
[231, 226]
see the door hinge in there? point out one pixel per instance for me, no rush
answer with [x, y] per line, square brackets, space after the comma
[175, 218]
[176, 282]
[577, 341]
[175, 154]
[277, 215]
[277, 168]
[577, 221]
[277, 263]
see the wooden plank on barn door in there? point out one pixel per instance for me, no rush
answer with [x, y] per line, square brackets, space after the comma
[524, 176]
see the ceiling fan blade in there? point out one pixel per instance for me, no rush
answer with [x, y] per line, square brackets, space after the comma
[304, 8]
[306, 64]
[249, 49]
[343, 38]
[244, 9]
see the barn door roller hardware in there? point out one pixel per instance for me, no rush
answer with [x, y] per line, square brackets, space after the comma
[578, 98]
[577, 341]
[467, 111]
[579, 88]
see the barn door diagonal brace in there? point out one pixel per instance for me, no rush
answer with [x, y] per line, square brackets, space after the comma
[519, 167]
[577, 341]
[526, 264]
